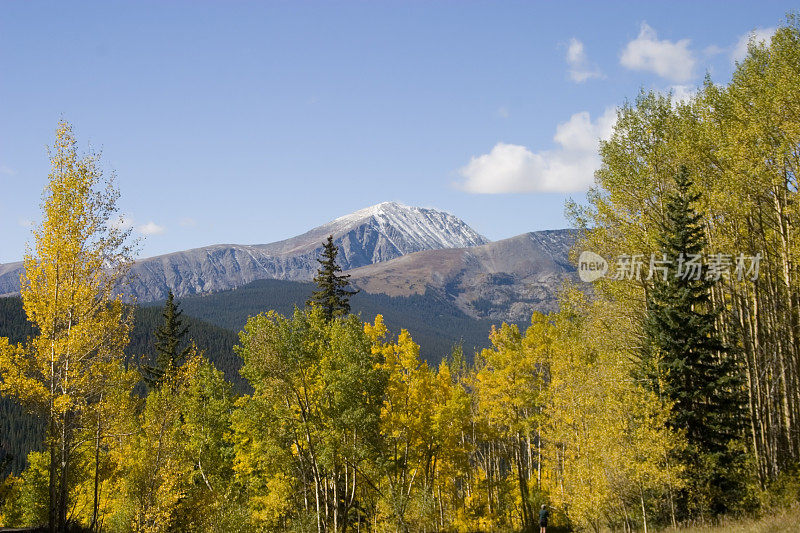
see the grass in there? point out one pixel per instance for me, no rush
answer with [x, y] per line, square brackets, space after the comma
[777, 521]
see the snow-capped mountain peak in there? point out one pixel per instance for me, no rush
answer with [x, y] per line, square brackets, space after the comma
[411, 229]
[378, 233]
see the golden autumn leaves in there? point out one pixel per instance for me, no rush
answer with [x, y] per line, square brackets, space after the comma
[68, 295]
[344, 424]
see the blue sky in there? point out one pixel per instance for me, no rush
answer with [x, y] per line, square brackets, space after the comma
[250, 122]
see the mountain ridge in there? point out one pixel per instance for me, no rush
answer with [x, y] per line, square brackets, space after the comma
[370, 235]
[501, 280]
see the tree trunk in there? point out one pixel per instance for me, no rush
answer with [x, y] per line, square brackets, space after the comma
[644, 513]
[63, 491]
[96, 500]
[52, 509]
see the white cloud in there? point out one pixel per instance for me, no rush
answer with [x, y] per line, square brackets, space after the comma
[758, 35]
[188, 222]
[671, 60]
[151, 228]
[712, 50]
[25, 222]
[511, 168]
[580, 69]
[7, 171]
[683, 93]
[502, 112]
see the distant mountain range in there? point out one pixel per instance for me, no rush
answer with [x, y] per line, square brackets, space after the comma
[502, 280]
[378, 233]
[388, 249]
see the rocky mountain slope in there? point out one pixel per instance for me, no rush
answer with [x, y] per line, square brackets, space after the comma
[502, 280]
[9, 278]
[375, 234]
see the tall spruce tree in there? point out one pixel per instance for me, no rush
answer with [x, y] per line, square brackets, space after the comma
[169, 337]
[332, 295]
[688, 362]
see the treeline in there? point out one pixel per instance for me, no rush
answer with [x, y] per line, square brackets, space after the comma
[435, 323]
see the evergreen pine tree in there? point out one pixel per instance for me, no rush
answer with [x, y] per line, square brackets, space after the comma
[169, 337]
[689, 364]
[332, 295]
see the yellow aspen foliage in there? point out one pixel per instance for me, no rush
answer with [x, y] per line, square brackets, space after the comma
[406, 423]
[508, 386]
[68, 290]
[607, 443]
[110, 420]
[424, 415]
[176, 466]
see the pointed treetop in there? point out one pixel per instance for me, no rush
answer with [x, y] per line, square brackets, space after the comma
[332, 295]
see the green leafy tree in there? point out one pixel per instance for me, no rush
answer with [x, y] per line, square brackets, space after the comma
[169, 337]
[308, 437]
[689, 363]
[178, 465]
[332, 295]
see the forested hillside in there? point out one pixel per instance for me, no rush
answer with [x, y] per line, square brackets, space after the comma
[20, 432]
[215, 342]
[213, 321]
[435, 323]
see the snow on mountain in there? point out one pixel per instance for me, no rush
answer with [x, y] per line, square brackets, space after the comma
[372, 235]
[388, 230]
[422, 228]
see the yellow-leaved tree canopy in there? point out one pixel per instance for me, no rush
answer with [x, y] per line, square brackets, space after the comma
[69, 293]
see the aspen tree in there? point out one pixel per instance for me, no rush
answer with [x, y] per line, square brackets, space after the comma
[68, 290]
